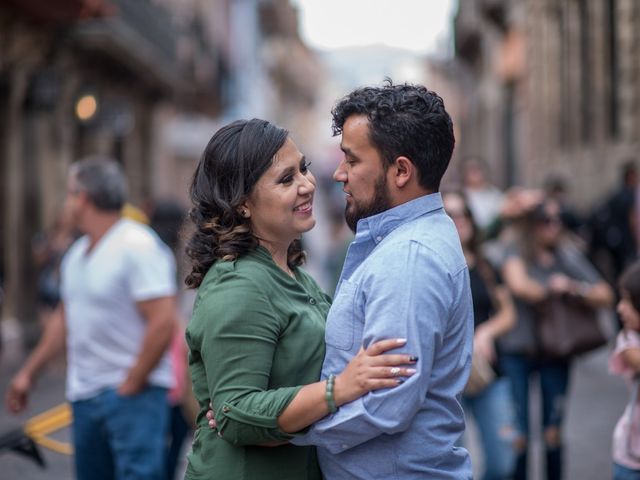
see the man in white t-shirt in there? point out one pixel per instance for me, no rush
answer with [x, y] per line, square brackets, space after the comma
[117, 317]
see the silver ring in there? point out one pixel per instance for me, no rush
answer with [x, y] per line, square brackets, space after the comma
[394, 371]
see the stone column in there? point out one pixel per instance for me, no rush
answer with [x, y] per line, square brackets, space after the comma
[15, 241]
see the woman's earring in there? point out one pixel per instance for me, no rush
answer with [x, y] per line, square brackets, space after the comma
[243, 212]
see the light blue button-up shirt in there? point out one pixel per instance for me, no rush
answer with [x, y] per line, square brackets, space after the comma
[404, 276]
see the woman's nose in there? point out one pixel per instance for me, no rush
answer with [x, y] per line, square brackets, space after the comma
[308, 183]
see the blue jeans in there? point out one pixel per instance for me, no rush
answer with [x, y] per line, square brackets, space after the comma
[494, 414]
[122, 438]
[554, 383]
[624, 473]
[179, 429]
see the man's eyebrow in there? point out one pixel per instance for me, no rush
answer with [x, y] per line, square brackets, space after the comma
[347, 151]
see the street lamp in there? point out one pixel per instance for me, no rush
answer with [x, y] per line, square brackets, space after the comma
[86, 107]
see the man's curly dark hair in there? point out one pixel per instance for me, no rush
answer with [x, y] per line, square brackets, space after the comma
[404, 120]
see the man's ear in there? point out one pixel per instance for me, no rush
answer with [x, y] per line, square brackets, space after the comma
[404, 170]
[83, 197]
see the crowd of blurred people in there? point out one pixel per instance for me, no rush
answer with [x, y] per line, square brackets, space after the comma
[525, 247]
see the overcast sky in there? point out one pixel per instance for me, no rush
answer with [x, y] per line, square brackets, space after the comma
[419, 25]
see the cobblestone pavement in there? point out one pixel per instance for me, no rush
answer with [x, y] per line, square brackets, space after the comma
[596, 401]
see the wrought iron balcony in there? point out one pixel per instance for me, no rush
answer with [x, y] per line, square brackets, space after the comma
[58, 12]
[140, 35]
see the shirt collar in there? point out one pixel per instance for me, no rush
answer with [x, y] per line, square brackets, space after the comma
[380, 225]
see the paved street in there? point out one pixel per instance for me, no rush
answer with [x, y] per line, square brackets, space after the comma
[49, 392]
[596, 401]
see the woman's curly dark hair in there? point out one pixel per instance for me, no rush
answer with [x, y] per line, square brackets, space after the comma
[232, 163]
[404, 120]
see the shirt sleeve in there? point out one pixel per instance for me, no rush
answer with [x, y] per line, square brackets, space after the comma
[238, 344]
[413, 300]
[152, 270]
[624, 341]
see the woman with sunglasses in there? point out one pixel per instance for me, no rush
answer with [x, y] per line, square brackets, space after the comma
[543, 263]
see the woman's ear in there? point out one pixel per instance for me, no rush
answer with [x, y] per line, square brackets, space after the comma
[244, 211]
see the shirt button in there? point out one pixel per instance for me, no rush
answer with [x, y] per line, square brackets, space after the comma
[225, 409]
[312, 301]
[379, 238]
[344, 445]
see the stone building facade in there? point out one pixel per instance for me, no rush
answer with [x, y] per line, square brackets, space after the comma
[551, 87]
[146, 82]
[85, 77]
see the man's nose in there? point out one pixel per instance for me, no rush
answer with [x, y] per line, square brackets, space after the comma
[340, 174]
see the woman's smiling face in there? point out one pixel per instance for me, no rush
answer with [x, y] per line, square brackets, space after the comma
[280, 205]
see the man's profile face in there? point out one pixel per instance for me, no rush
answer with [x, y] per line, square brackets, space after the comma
[362, 173]
[74, 201]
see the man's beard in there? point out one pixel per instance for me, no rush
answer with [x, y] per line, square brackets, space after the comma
[380, 203]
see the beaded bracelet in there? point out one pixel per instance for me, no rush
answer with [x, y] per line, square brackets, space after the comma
[328, 394]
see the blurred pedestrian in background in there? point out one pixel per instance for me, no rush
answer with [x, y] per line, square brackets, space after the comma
[256, 337]
[625, 361]
[484, 199]
[614, 225]
[539, 265]
[491, 403]
[556, 188]
[117, 317]
[48, 248]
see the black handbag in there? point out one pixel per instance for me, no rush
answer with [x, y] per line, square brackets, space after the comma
[567, 326]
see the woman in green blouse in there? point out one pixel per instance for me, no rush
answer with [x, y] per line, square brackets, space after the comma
[256, 338]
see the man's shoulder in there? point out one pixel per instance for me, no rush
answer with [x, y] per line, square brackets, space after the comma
[133, 239]
[134, 235]
[432, 237]
[435, 223]
[135, 247]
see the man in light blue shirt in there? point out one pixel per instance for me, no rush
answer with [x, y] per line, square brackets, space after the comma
[404, 276]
